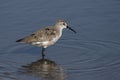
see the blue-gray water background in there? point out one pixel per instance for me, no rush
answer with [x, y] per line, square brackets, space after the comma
[91, 54]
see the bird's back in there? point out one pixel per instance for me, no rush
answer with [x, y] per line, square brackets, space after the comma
[45, 34]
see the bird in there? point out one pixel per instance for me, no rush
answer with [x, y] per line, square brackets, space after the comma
[46, 36]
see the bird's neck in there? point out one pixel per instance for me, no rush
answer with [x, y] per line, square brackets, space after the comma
[59, 30]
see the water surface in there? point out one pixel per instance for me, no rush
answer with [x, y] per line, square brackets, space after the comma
[91, 54]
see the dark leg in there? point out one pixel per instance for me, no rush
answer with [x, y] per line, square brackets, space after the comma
[43, 53]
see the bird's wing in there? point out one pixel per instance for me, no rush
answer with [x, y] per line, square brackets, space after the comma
[45, 34]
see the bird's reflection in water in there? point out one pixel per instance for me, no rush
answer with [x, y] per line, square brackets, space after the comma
[45, 69]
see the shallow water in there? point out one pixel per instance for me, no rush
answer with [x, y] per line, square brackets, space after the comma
[91, 54]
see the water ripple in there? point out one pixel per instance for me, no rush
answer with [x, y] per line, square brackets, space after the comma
[93, 55]
[80, 56]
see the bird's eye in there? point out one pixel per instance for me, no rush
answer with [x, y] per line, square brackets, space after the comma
[64, 24]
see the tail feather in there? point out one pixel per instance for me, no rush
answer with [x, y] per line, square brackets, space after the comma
[27, 39]
[20, 40]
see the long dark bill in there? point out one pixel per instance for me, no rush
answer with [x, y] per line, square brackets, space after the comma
[71, 29]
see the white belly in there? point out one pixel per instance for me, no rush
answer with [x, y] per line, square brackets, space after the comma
[46, 43]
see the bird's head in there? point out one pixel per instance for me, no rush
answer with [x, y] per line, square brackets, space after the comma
[62, 24]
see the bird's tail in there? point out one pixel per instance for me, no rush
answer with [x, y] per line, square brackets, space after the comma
[27, 39]
[20, 40]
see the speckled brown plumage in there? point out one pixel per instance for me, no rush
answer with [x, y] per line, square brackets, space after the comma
[46, 36]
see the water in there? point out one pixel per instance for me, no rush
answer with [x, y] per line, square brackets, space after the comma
[91, 54]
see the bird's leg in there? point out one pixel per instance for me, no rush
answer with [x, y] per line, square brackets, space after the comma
[43, 53]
